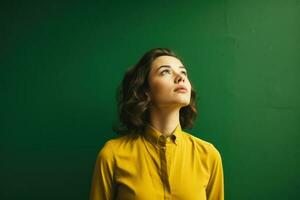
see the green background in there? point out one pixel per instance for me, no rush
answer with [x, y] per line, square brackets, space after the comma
[61, 63]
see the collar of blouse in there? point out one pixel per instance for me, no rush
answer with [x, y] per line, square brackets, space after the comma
[160, 140]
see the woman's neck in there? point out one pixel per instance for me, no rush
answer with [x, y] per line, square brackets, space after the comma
[164, 120]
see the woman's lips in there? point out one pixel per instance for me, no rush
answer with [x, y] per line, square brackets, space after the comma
[181, 90]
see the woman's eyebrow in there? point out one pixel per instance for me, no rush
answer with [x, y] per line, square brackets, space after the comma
[168, 66]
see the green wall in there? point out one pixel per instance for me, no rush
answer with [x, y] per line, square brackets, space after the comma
[62, 61]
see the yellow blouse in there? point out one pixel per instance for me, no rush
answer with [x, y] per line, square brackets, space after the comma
[154, 167]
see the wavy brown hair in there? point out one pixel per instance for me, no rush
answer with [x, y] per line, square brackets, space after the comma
[133, 98]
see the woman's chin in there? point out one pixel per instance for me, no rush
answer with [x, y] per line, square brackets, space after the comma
[182, 103]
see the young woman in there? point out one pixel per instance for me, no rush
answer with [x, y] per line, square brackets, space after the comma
[155, 159]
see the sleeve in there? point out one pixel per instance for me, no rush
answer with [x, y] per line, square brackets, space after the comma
[102, 187]
[215, 186]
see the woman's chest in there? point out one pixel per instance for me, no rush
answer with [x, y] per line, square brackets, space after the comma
[161, 176]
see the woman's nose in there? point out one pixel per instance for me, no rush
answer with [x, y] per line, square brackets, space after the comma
[179, 78]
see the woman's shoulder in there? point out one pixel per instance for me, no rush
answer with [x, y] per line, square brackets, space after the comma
[120, 142]
[200, 144]
[125, 139]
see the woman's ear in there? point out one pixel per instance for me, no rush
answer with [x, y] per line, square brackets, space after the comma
[148, 95]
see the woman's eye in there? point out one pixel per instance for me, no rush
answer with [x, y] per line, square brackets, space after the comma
[166, 70]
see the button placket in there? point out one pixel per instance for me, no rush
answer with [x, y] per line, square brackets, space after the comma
[164, 170]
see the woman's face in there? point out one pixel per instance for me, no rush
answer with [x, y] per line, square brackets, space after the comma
[168, 73]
